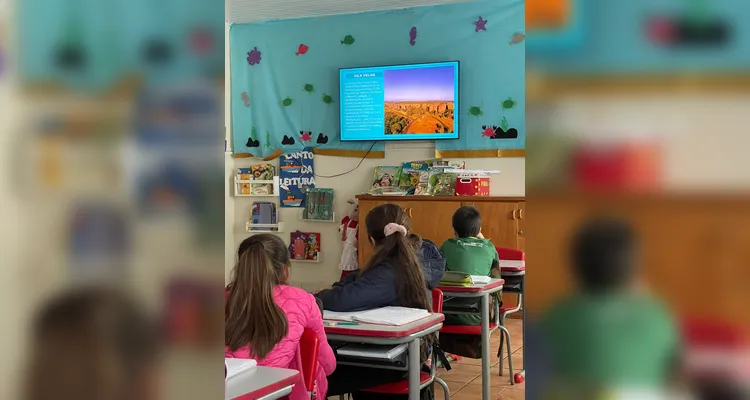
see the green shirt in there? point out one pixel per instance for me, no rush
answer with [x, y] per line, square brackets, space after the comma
[472, 256]
[469, 255]
[611, 340]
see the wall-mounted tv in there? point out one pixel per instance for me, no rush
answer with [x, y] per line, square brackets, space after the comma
[399, 102]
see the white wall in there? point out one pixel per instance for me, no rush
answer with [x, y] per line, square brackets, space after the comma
[311, 276]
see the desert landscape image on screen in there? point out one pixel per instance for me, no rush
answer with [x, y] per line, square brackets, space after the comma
[419, 100]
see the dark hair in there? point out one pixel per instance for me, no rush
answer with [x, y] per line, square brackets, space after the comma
[251, 317]
[401, 252]
[467, 222]
[91, 342]
[603, 252]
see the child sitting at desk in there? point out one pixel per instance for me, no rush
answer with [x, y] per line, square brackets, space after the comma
[265, 318]
[609, 334]
[469, 252]
[93, 343]
[393, 276]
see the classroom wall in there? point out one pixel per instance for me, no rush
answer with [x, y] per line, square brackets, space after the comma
[509, 182]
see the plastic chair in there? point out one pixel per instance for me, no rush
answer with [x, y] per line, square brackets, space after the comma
[505, 310]
[308, 346]
[425, 379]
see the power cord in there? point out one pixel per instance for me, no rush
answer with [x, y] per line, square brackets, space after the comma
[351, 170]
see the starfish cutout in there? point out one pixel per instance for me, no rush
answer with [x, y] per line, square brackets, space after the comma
[480, 25]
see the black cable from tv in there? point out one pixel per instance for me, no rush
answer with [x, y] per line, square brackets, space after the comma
[351, 170]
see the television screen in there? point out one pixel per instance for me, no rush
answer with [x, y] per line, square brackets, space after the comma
[399, 102]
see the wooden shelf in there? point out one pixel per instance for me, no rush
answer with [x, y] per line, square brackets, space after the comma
[548, 87]
[441, 198]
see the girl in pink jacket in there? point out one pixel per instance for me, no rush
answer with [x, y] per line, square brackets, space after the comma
[264, 317]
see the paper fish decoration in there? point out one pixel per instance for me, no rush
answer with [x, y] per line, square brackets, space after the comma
[517, 37]
[508, 104]
[309, 88]
[302, 49]
[327, 99]
[413, 36]
[475, 111]
[287, 101]
[348, 40]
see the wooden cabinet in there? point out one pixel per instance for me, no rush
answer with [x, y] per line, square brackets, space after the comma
[695, 250]
[430, 217]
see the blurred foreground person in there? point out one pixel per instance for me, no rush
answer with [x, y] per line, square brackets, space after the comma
[609, 335]
[92, 344]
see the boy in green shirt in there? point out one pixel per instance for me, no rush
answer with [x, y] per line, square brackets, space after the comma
[609, 334]
[469, 252]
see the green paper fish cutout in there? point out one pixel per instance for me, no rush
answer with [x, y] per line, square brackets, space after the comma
[348, 40]
[327, 99]
[475, 111]
[287, 102]
[508, 104]
[309, 88]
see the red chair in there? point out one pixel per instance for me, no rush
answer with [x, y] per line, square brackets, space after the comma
[505, 310]
[425, 379]
[308, 346]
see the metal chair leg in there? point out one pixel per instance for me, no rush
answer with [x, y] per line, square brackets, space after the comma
[504, 331]
[446, 390]
[500, 348]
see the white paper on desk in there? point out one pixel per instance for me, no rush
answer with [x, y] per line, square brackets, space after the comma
[236, 366]
[380, 316]
[512, 263]
[480, 280]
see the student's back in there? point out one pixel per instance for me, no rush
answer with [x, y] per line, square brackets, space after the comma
[265, 318]
[469, 253]
[609, 335]
[618, 340]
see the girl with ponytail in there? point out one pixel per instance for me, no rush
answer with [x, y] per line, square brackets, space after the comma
[393, 276]
[264, 317]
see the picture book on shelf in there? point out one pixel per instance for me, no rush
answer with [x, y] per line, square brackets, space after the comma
[386, 177]
[304, 246]
[442, 184]
[260, 172]
[319, 204]
[296, 177]
[263, 212]
[410, 171]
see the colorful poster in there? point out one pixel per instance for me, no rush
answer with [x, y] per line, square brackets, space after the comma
[296, 176]
[304, 246]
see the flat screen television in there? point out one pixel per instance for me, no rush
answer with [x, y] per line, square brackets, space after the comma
[399, 102]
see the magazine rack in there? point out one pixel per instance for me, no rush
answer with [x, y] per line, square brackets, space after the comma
[239, 182]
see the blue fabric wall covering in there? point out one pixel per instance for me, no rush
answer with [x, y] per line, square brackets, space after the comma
[284, 74]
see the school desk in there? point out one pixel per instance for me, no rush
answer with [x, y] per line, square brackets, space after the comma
[483, 292]
[261, 383]
[411, 333]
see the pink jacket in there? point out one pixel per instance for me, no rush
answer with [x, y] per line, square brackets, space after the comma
[301, 312]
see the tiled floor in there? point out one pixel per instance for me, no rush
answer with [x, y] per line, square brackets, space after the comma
[465, 378]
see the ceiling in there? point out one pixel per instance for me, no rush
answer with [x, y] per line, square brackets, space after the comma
[244, 11]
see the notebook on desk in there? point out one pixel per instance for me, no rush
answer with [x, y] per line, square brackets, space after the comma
[395, 316]
[236, 366]
[453, 278]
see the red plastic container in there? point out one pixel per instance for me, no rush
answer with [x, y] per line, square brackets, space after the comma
[473, 186]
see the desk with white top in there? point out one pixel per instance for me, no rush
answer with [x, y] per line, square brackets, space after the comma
[261, 383]
[482, 291]
[410, 333]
